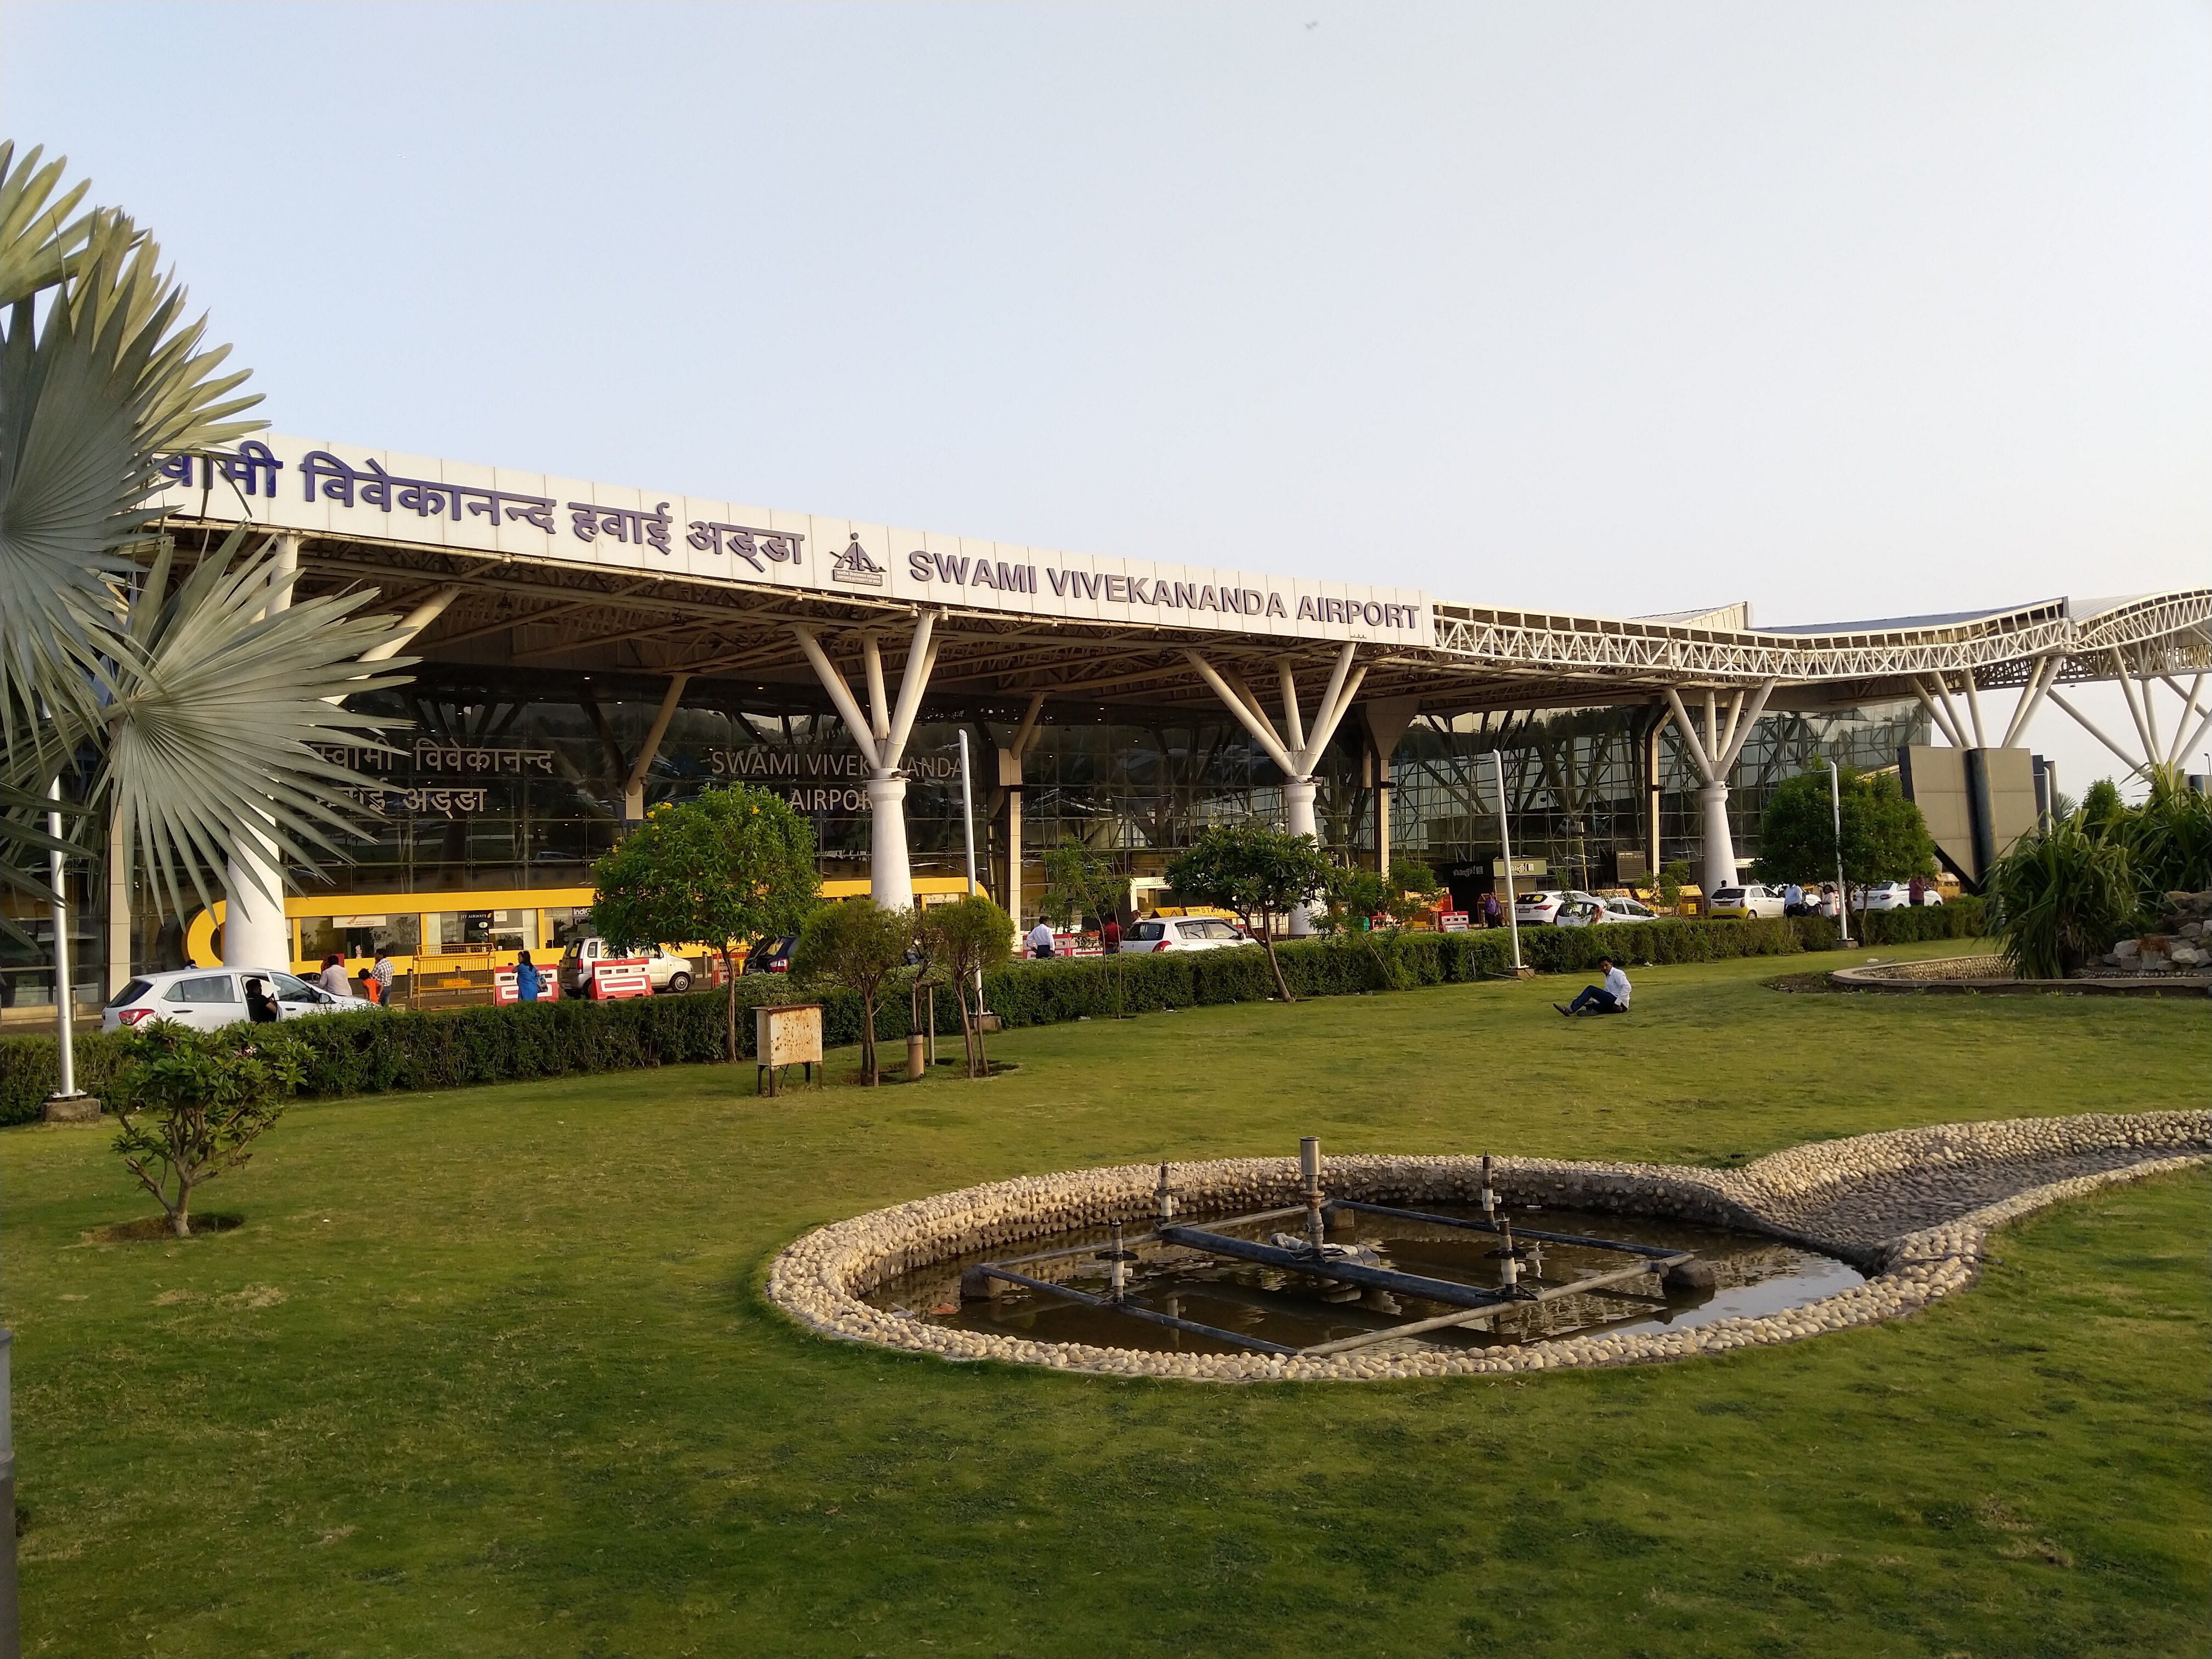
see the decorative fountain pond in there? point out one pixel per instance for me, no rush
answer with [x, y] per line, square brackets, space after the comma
[1569, 1272]
[1381, 1265]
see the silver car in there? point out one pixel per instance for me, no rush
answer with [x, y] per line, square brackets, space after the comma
[1602, 912]
[207, 999]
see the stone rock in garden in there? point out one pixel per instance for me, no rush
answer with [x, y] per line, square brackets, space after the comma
[2126, 950]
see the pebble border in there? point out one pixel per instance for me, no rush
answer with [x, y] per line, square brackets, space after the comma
[819, 1278]
[1987, 976]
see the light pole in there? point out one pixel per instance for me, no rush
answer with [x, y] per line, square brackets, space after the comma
[1843, 894]
[968, 830]
[1505, 841]
[967, 813]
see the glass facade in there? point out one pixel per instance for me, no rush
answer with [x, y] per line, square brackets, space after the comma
[515, 780]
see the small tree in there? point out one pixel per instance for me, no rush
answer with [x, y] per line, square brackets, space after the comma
[1356, 897]
[857, 945]
[196, 1101]
[963, 940]
[1413, 890]
[725, 868]
[1672, 876]
[1081, 878]
[1884, 837]
[1254, 871]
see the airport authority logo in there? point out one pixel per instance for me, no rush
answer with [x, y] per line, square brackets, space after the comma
[853, 565]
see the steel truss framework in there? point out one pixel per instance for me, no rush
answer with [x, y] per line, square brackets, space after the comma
[589, 618]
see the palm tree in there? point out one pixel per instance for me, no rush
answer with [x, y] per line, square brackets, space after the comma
[193, 710]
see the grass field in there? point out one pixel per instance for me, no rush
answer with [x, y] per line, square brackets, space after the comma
[490, 1372]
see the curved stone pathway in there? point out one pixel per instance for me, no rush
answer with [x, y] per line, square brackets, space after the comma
[1913, 1207]
[1863, 1215]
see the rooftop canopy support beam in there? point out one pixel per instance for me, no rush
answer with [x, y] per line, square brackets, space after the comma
[881, 736]
[1713, 768]
[1302, 751]
[634, 784]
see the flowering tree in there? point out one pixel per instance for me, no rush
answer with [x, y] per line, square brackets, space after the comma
[725, 868]
[1256, 871]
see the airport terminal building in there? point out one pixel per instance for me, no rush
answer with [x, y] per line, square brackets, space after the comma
[586, 650]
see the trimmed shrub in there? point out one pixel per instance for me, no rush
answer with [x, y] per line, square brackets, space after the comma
[374, 1053]
[1963, 918]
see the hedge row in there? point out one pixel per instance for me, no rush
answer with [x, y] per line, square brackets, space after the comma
[404, 1050]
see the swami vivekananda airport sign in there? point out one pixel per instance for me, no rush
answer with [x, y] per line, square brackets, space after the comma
[326, 488]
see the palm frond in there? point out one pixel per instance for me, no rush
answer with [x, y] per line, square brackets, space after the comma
[37, 236]
[72, 472]
[119, 293]
[217, 701]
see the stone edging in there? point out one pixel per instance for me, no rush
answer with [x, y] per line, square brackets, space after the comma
[1985, 975]
[818, 1279]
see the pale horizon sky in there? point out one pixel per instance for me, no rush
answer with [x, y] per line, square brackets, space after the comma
[1850, 311]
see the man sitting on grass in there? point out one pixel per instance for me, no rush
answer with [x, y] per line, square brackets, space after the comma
[1610, 998]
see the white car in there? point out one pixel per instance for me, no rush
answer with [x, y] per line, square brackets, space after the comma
[1182, 934]
[666, 971]
[1894, 895]
[207, 999]
[1543, 905]
[1599, 912]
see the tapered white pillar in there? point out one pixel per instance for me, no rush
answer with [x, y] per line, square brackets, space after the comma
[1720, 840]
[255, 933]
[890, 872]
[1298, 820]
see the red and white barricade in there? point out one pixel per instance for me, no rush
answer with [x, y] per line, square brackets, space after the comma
[621, 976]
[1452, 921]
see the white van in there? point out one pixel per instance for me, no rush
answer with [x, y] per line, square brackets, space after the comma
[668, 973]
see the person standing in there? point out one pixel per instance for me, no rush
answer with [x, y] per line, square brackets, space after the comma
[1040, 940]
[1493, 912]
[1610, 998]
[333, 977]
[1916, 891]
[525, 979]
[1793, 900]
[1110, 937]
[381, 970]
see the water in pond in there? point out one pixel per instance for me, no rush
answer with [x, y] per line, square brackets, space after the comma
[1755, 1275]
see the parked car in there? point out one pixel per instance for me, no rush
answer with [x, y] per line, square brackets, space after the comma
[207, 999]
[1894, 895]
[1543, 905]
[666, 971]
[771, 956]
[1745, 902]
[1599, 913]
[1182, 934]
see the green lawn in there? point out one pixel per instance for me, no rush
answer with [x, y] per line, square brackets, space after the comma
[489, 1372]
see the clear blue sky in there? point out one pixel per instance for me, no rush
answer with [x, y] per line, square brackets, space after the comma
[1850, 310]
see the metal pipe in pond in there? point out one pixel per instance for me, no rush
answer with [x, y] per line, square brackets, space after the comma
[1310, 1168]
[1165, 1196]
